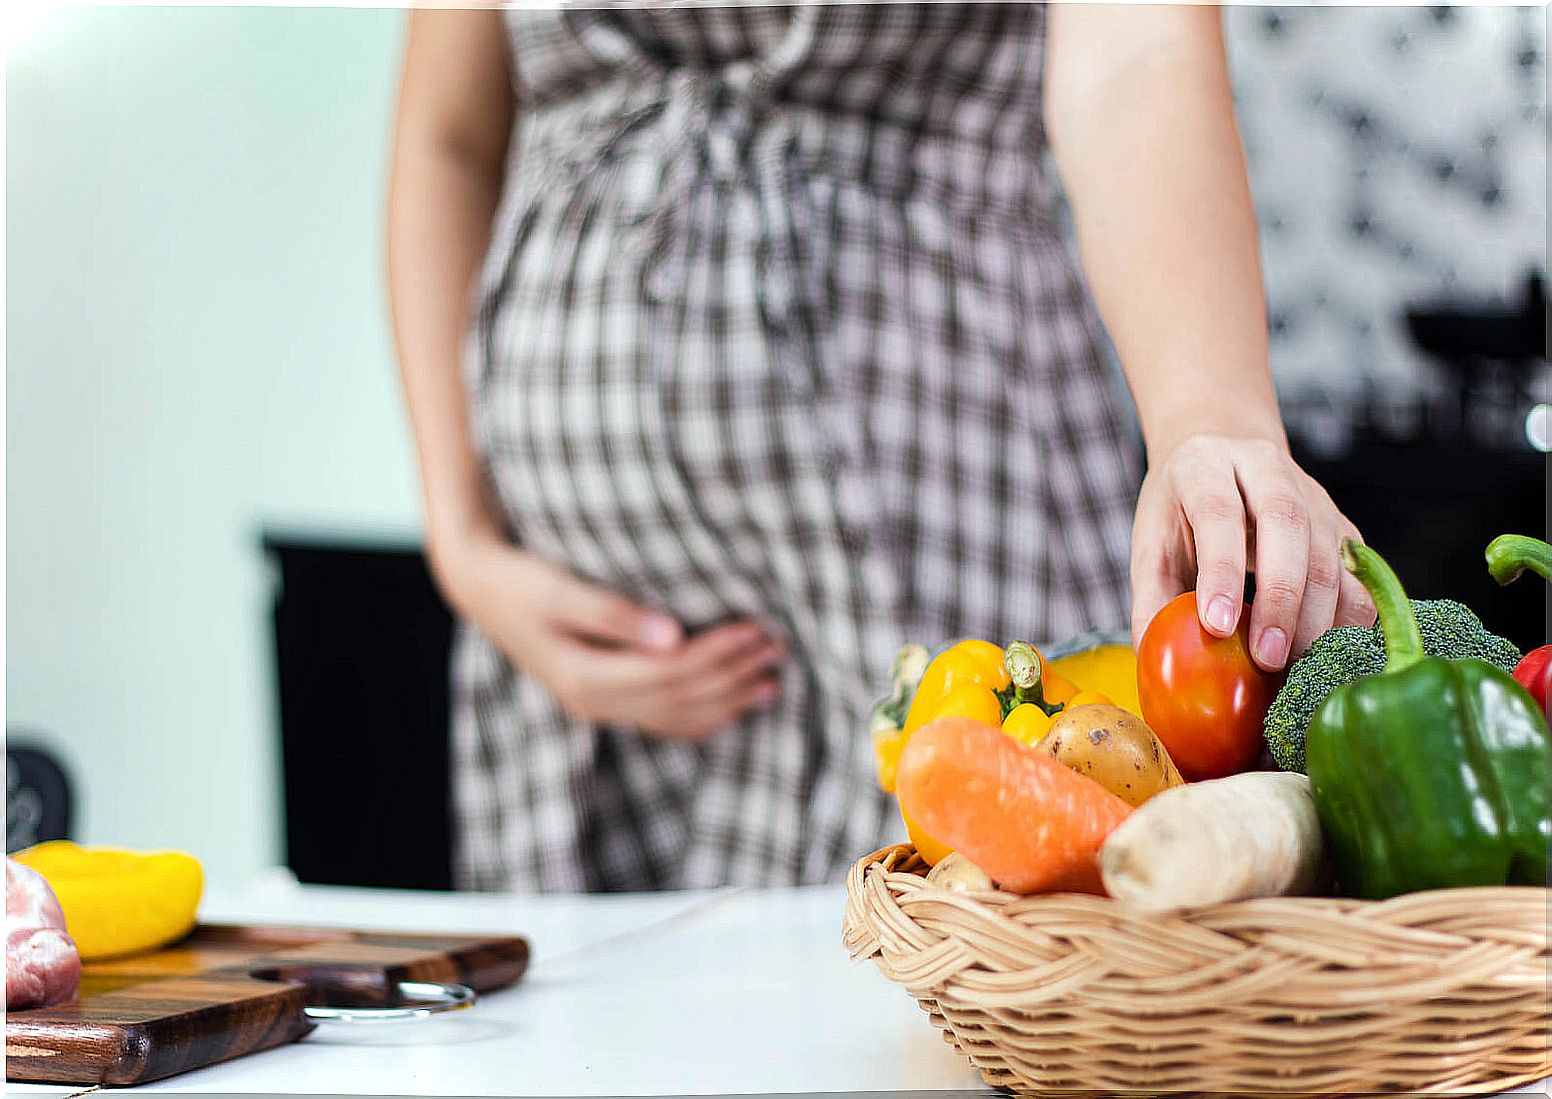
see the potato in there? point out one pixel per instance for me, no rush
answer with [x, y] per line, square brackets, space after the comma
[1114, 748]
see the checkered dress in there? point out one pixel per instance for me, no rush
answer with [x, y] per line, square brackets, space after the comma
[777, 323]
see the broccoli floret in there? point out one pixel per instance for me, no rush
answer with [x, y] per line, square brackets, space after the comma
[1345, 653]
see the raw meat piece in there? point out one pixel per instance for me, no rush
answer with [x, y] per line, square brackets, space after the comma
[42, 965]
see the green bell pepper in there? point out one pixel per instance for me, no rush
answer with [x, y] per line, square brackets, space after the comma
[1433, 773]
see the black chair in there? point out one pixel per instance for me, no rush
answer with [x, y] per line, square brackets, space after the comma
[362, 641]
[38, 800]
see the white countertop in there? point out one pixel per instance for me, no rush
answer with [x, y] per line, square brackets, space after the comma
[731, 992]
[726, 992]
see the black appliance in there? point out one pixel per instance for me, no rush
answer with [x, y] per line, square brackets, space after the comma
[362, 641]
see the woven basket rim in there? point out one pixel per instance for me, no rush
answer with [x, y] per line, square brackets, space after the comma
[1250, 908]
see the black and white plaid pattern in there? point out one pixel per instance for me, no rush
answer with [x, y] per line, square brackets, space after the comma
[777, 323]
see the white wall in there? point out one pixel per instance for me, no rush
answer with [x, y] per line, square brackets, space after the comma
[196, 343]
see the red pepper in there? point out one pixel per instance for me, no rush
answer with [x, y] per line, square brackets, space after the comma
[1535, 674]
[1508, 556]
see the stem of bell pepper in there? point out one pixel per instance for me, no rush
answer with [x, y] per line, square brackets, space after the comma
[1509, 555]
[1023, 664]
[1403, 640]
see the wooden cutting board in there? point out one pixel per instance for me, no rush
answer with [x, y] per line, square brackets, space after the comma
[225, 991]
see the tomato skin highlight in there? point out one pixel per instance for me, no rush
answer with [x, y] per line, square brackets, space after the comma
[1203, 696]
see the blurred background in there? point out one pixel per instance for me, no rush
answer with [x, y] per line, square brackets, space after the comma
[218, 621]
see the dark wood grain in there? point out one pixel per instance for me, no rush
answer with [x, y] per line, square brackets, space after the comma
[226, 991]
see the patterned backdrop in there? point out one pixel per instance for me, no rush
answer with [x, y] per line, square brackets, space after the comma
[1398, 156]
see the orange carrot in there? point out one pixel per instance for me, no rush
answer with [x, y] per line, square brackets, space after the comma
[1032, 824]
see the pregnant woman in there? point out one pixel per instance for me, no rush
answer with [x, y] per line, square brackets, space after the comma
[742, 344]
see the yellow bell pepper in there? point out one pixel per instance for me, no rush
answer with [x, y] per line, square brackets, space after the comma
[931, 851]
[974, 701]
[119, 902]
[1089, 698]
[888, 715]
[969, 663]
[1027, 723]
[962, 681]
[1108, 669]
[1058, 691]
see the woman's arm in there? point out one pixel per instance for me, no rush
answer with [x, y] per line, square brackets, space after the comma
[602, 657]
[449, 150]
[1140, 118]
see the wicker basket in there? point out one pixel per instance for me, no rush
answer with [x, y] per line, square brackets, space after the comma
[1443, 991]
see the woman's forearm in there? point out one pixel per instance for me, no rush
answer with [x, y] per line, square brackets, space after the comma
[1142, 125]
[447, 168]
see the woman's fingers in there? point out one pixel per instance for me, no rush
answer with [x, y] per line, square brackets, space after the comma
[1285, 566]
[730, 679]
[1214, 503]
[1322, 586]
[608, 660]
[703, 686]
[1157, 575]
[1353, 606]
[717, 647]
[599, 614]
[1210, 498]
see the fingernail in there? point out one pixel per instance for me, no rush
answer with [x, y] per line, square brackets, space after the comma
[1272, 649]
[658, 632]
[1220, 615]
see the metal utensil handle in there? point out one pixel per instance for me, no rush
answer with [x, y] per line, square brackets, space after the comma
[431, 998]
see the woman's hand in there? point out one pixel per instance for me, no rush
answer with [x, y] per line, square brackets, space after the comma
[1215, 506]
[605, 659]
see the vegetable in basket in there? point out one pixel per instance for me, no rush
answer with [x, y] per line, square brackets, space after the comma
[965, 680]
[1433, 773]
[888, 719]
[1022, 817]
[1027, 723]
[1344, 654]
[971, 679]
[1032, 681]
[963, 672]
[1508, 556]
[1114, 748]
[1202, 696]
[1227, 839]
[961, 875]
[1109, 669]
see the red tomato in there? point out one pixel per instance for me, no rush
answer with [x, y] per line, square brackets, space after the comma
[1202, 696]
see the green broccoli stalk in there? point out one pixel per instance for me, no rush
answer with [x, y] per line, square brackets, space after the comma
[1346, 653]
